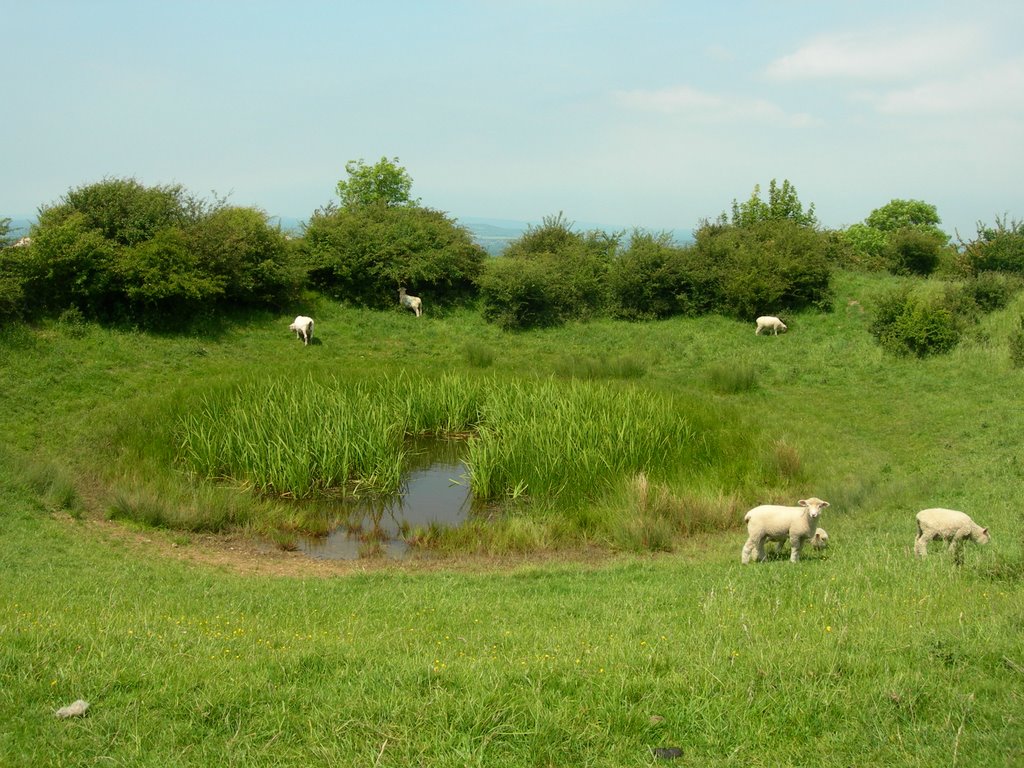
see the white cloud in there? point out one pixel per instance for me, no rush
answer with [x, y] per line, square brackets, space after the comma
[880, 54]
[702, 106]
[998, 90]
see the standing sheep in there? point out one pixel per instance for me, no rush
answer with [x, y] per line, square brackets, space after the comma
[769, 323]
[411, 302]
[773, 522]
[948, 525]
[303, 327]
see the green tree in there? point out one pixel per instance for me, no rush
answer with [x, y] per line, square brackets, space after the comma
[907, 214]
[902, 236]
[997, 248]
[783, 204]
[385, 183]
[365, 254]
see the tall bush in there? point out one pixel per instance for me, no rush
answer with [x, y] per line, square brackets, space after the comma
[364, 254]
[906, 323]
[119, 250]
[548, 276]
[765, 267]
[997, 248]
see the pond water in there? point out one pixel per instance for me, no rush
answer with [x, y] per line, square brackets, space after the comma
[435, 489]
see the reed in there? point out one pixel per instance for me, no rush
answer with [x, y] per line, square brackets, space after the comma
[558, 444]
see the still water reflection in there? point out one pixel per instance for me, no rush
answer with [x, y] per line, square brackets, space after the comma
[435, 490]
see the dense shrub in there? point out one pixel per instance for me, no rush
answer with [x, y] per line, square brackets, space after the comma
[550, 275]
[518, 293]
[72, 264]
[252, 261]
[124, 211]
[653, 279]
[999, 248]
[865, 248]
[992, 290]
[765, 267]
[118, 250]
[364, 254]
[165, 280]
[912, 251]
[909, 324]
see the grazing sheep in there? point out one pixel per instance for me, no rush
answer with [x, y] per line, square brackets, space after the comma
[303, 327]
[948, 525]
[773, 522]
[411, 302]
[769, 323]
[820, 539]
[75, 709]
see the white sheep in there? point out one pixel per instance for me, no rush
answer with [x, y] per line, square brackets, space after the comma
[303, 327]
[411, 302]
[948, 525]
[769, 323]
[773, 522]
[820, 539]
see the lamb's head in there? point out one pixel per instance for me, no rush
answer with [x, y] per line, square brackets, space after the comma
[814, 505]
[981, 536]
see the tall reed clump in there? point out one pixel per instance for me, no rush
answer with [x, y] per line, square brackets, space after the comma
[547, 444]
[572, 441]
[317, 436]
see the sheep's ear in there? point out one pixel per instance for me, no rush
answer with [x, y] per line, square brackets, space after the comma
[802, 502]
[984, 530]
[824, 504]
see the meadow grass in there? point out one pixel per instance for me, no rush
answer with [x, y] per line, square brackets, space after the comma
[860, 656]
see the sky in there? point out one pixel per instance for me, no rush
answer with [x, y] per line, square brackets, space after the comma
[620, 114]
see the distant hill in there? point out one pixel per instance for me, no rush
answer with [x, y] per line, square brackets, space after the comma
[494, 235]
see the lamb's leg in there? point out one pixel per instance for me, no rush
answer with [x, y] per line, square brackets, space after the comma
[748, 548]
[957, 548]
[921, 546]
[794, 548]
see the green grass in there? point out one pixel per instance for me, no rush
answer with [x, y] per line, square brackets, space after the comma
[863, 656]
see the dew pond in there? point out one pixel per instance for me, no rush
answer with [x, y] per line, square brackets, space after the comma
[435, 489]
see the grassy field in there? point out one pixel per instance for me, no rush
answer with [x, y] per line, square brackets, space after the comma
[590, 653]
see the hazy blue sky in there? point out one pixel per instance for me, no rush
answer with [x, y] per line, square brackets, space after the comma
[632, 113]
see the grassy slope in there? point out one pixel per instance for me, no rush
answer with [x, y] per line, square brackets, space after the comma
[865, 657]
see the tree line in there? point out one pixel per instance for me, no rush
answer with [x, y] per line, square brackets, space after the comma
[118, 251]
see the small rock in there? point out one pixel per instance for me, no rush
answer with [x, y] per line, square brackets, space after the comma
[75, 709]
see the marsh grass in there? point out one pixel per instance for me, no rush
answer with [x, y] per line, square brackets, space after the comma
[479, 355]
[560, 445]
[732, 379]
[627, 366]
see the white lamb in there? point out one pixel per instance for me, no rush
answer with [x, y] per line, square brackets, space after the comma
[303, 327]
[769, 323]
[820, 539]
[410, 302]
[773, 522]
[948, 525]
